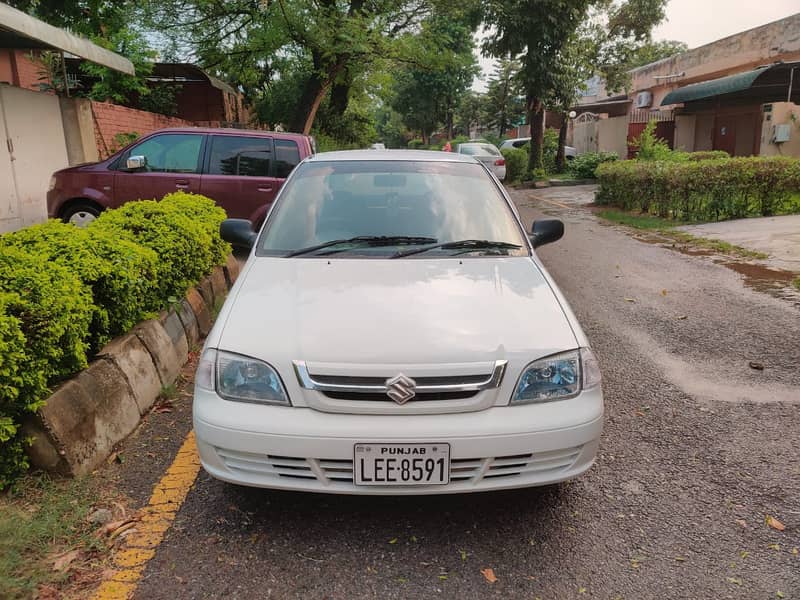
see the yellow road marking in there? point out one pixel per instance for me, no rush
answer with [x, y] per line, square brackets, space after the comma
[553, 202]
[140, 546]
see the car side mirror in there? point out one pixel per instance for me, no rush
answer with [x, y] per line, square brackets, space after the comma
[546, 231]
[238, 232]
[134, 163]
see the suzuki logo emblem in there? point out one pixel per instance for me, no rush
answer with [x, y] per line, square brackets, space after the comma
[401, 389]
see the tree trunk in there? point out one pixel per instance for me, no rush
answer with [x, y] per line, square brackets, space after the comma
[340, 94]
[536, 120]
[313, 92]
[562, 140]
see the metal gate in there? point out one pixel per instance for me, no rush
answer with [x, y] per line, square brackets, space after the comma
[32, 147]
[638, 120]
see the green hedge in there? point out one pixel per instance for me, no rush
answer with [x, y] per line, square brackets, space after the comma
[585, 165]
[183, 234]
[704, 190]
[516, 163]
[65, 291]
[120, 274]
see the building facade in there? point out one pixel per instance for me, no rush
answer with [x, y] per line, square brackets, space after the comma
[740, 94]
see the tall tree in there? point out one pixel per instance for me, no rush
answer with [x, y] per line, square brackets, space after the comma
[428, 95]
[504, 96]
[541, 32]
[337, 39]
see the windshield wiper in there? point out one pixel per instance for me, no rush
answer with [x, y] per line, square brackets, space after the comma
[365, 240]
[467, 245]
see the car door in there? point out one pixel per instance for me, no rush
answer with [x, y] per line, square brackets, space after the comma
[239, 175]
[173, 163]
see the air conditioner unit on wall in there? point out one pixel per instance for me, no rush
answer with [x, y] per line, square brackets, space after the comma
[781, 133]
[644, 99]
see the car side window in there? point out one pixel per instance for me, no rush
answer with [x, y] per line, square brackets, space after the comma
[287, 157]
[171, 153]
[240, 155]
[520, 143]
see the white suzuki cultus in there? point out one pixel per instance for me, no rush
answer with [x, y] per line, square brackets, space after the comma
[393, 332]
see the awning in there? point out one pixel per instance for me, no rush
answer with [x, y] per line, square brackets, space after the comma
[21, 31]
[714, 87]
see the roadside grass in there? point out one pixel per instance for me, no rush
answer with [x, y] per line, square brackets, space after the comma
[666, 228]
[796, 282]
[43, 522]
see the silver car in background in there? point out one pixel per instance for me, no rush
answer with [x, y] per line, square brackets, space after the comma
[488, 154]
[569, 151]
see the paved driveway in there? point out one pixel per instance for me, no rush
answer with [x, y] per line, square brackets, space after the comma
[698, 448]
[777, 236]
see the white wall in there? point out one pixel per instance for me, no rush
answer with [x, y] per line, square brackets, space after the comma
[34, 131]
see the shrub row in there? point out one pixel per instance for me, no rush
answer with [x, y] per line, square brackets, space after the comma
[65, 291]
[585, 165]
[703, 190]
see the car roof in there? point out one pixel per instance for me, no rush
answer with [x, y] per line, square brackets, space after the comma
[402, 155]
[233, 131]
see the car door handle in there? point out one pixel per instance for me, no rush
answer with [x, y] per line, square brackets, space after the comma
[265, 189]
[181, 183]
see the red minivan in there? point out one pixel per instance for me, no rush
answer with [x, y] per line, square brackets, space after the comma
[241, 170]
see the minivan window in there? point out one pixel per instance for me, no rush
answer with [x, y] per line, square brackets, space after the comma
[287, 157]
[171, 153]
[445, 201]
[240, 155]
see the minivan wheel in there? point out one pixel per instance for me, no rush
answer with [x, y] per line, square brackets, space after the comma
[81, 213]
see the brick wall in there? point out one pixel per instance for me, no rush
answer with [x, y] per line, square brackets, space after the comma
[111, 119]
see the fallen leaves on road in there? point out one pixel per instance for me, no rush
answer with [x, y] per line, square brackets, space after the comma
[774, 523]
[756, 365]
[735, 580]
[463, 555]
[63, 561]
[581, 590]
[115, 527]
[742, 522]
[663, 292]
[776, 547]
[682, 317]
[795, 551]
[630, 299]
[393, 541]
[488, 574]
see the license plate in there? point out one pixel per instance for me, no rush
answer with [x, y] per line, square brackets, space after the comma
[402, 464]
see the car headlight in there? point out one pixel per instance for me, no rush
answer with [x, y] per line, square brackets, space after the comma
[557, 377]
[240, 378]
[52, 185]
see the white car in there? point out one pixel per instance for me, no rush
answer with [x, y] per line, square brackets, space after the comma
[569, 151]
[488, 154]
[394, 332]
[377, 146]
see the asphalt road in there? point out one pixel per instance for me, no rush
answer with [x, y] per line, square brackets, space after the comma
[698, 448]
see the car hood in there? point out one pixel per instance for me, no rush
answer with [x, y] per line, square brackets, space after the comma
[405, 311]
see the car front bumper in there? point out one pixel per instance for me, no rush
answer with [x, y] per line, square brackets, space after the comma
[303, 449]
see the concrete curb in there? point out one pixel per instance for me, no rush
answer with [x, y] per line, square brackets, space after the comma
[86, 416]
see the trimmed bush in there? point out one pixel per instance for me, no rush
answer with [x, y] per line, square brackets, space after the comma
[184, 241]
[120, 274]
[44, 321]
[416, 144]
[64, 291]
[516, 163]
[708, 190]
[585, 165]
[707, 155]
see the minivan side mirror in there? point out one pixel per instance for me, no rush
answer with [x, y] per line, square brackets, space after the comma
[238, 232]
[134, 163]
[546, 231]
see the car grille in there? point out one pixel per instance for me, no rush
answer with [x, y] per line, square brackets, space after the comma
[376, 391]
[382, 397]
[341, 470]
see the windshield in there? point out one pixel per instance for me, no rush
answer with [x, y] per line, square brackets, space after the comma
[478, 149]
[403, 202]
